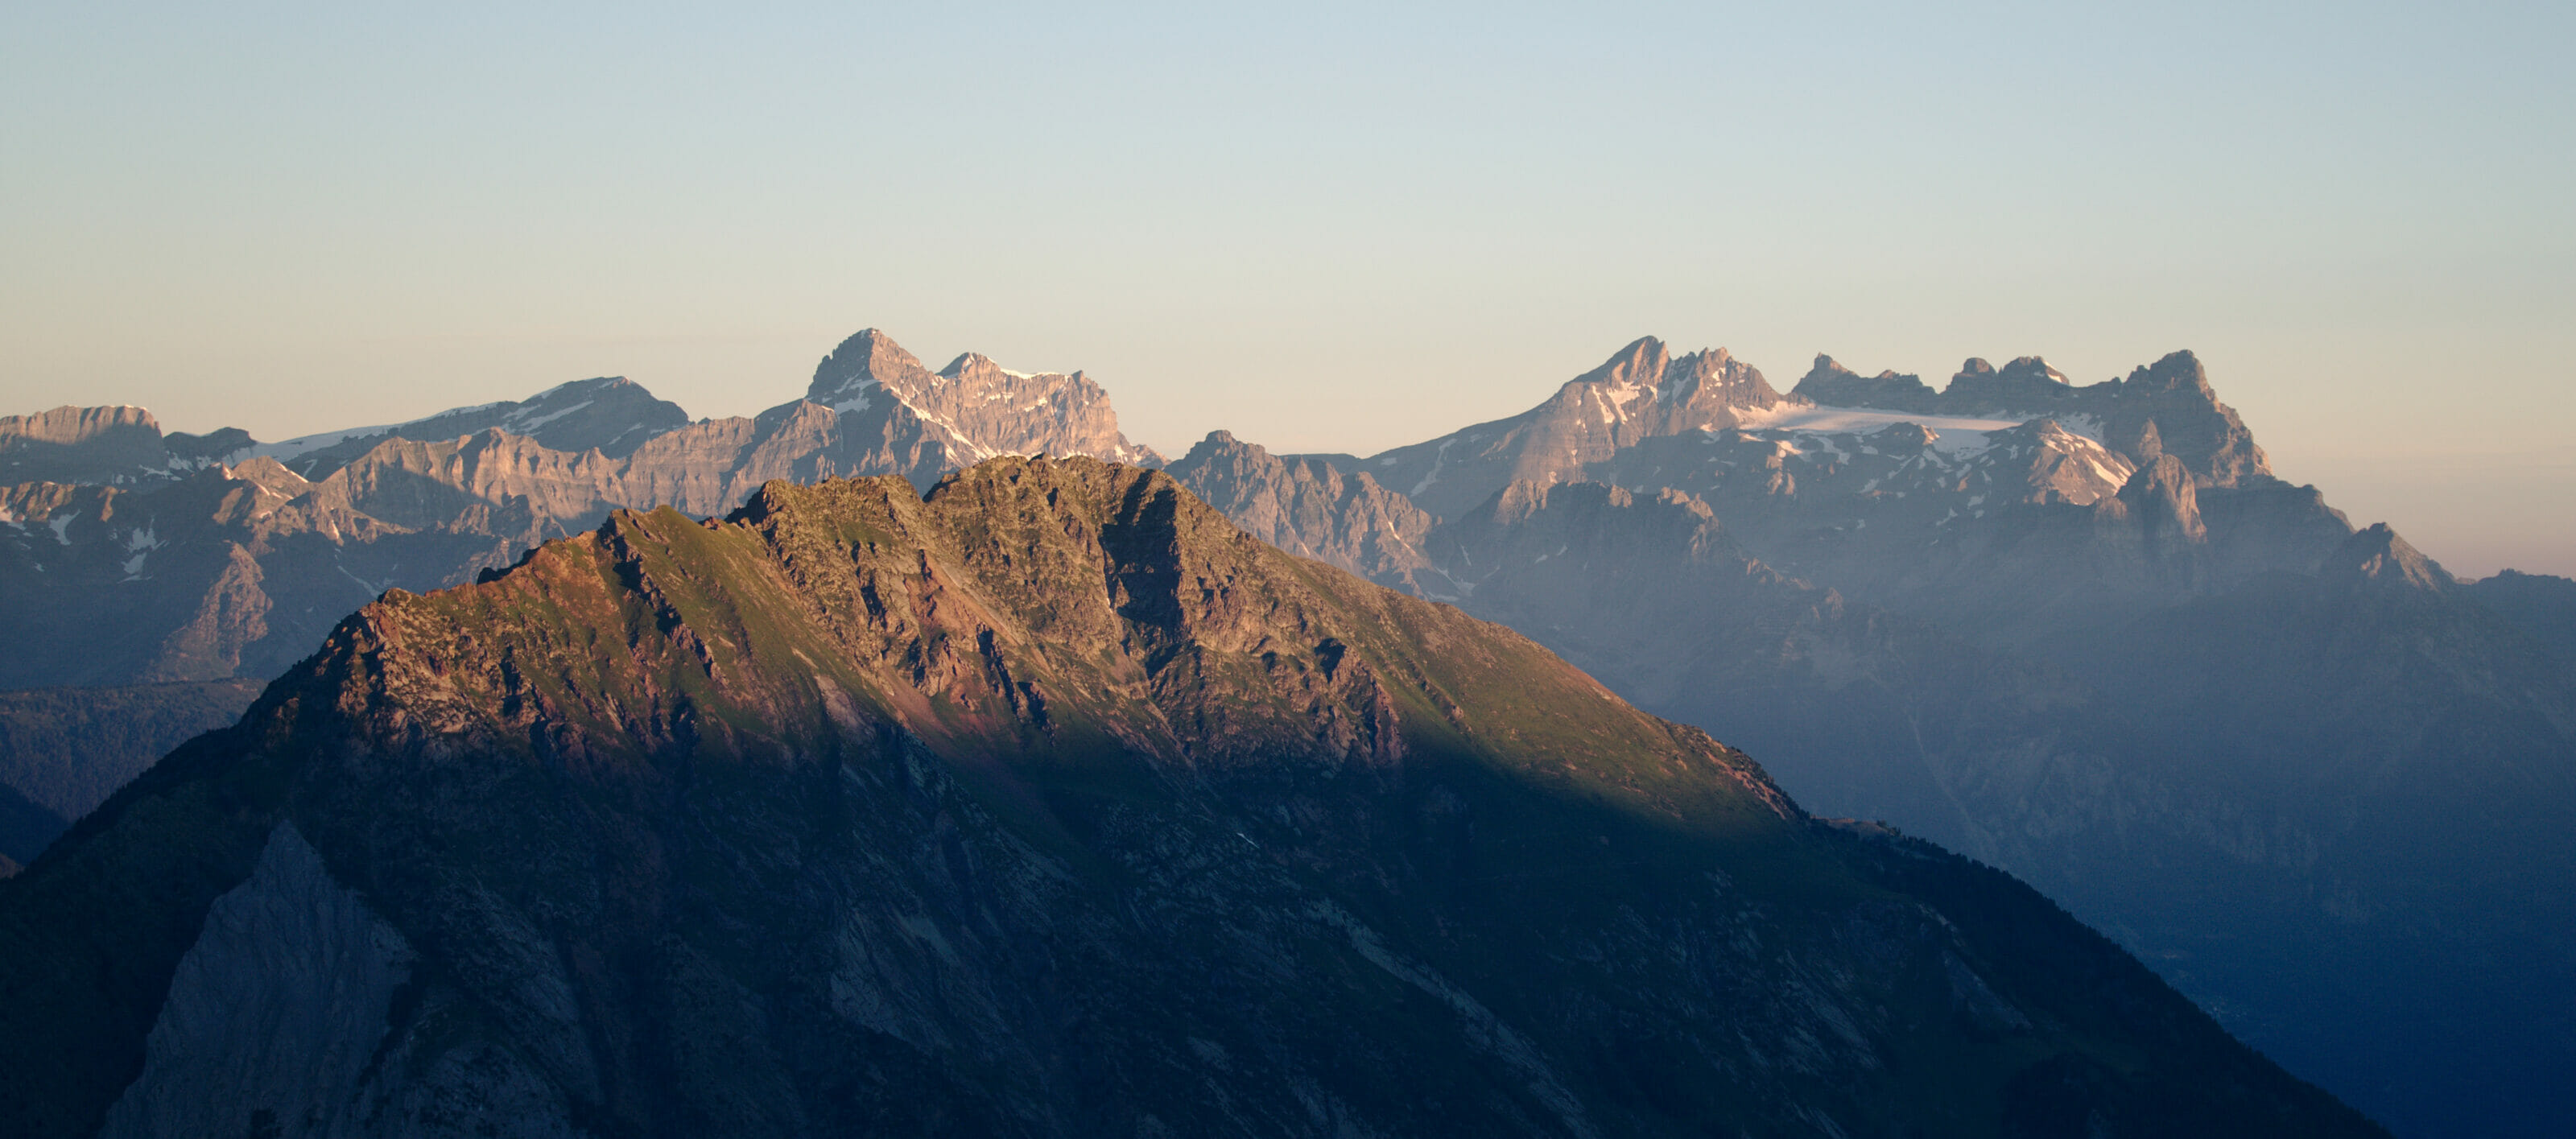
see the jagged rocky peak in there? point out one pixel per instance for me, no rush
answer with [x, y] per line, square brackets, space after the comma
[867, 359]
[2164, 408]
[2027, 384]
[978, 408]
[2376, 557]
[2175, 373]
[1641, 392]
[1703, 382]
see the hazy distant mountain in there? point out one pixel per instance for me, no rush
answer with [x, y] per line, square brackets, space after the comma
[209, 571]
[613, 416]
[2081, 632]
[1308, 506]
[1640, 393]
[1049, 804]
[2539, 604]
[105, 445]
[2084, 633]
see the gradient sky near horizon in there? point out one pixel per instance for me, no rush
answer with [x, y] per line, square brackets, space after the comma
[1322, 227]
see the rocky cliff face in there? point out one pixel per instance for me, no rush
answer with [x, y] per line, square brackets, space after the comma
[1047, 804]
[1641, 393]
[1313, 508]
[976, 408]
[105, 445]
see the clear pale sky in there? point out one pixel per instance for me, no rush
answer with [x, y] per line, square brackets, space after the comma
[1324, 228]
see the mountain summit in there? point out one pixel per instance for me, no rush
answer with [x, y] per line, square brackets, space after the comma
[1641, 392]
[980, 408]
[1047, 803]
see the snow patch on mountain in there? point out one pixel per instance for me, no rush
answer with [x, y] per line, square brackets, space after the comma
[285, 449]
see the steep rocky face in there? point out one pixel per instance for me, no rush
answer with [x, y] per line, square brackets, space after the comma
[976, 407]
[1047, 804]
[105, 445]
[1311, 507]
[1640, 393]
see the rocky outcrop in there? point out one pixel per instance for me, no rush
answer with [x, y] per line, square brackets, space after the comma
[2376, 558]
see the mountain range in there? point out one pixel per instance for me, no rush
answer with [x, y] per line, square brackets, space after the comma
[2082, 633]
[1049, 803]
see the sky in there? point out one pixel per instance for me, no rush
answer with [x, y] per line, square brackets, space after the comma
[1321, 227]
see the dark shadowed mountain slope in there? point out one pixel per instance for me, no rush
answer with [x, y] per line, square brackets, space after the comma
[68, 748]
[1048, 804]
[26, 827]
